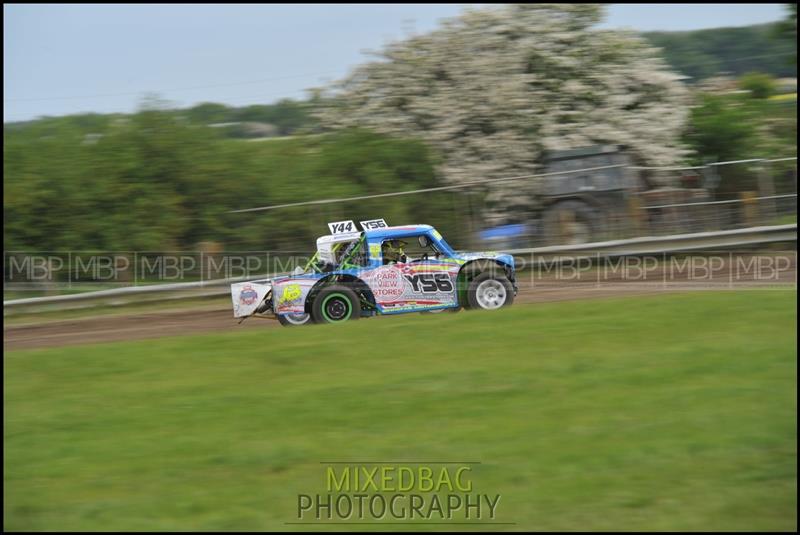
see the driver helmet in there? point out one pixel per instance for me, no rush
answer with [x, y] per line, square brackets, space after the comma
[393, 249]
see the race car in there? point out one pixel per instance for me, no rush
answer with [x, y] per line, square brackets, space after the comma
[379, 270]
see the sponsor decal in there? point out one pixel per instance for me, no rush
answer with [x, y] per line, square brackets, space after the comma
[402, 306]
[248, 295]
[290, 293]
[414, 285]
[388, 283]
[412, 268]
[415, 302]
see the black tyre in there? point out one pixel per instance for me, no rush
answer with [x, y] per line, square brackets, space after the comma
[335, 304]
[295, 320]
[489, 291]
[572, 223]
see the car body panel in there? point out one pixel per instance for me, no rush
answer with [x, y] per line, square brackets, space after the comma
[246, 297]
[289, 293]
[413, 286]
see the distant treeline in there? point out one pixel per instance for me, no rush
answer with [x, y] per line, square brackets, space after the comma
[286, 117]
[154, 181]
[283, 118]
[768, 48]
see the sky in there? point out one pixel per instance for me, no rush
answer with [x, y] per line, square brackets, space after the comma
[63, 59]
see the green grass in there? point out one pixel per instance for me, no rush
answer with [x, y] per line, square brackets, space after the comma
[671, 412]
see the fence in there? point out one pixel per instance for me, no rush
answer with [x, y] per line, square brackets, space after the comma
[663, 201]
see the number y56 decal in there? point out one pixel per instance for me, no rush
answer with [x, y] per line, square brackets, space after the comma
[430, 282]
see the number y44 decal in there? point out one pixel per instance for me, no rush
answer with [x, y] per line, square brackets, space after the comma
[339, 227]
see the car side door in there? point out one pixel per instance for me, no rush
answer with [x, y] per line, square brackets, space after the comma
[428, 279]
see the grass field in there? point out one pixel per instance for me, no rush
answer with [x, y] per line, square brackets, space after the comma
[668, 412]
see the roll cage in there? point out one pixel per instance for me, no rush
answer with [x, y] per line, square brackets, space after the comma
[348, 260]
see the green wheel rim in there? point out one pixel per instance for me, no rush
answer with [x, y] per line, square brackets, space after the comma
[345, 301]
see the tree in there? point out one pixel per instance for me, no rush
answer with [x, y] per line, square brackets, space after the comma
[286, 115]
[721, 129]
[786, 31]
[209, 113]
[759, 85]
[152, 181]
[493, 89]
[701, 54]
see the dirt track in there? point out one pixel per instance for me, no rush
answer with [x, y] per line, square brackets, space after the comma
[158, 324]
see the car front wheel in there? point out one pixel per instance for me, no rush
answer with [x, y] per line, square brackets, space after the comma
[336, 304]
[490, 291]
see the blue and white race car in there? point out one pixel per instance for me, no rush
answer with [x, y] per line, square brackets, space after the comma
[379, 270]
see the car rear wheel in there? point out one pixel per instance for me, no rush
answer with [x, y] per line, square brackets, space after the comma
[293, 320]
[335, 304]
[489, 291]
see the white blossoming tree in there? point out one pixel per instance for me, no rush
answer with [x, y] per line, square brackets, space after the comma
[495, 88]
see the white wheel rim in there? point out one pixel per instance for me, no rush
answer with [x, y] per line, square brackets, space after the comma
[296, 319]
[491, 294]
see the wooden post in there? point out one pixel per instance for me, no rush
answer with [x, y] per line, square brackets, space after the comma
[749, 208]
[766, 188]
[636, 215]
